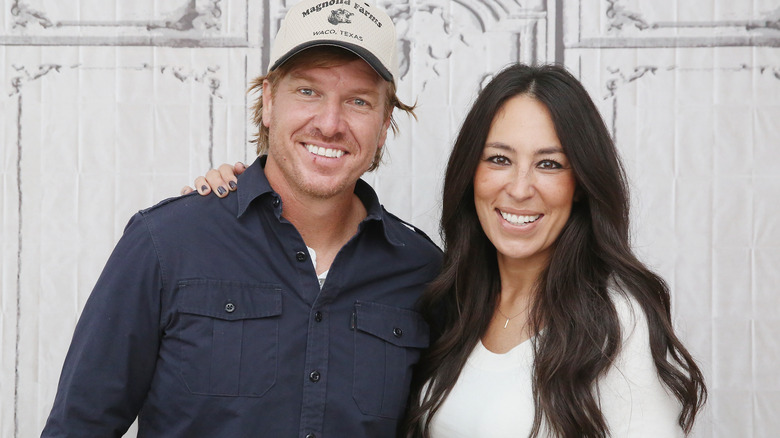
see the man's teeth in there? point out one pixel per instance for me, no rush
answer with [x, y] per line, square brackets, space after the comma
[324, 152]
[519, 220]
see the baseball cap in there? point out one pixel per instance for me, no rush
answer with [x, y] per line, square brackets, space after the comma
[357, 26]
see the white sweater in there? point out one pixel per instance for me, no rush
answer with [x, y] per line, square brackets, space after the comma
[492, 397]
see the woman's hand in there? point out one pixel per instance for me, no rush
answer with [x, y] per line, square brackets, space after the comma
[222, 180]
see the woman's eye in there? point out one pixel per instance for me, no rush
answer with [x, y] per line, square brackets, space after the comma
[499, 159]
[550, 164]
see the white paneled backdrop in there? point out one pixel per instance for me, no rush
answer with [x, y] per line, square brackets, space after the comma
[109, 107]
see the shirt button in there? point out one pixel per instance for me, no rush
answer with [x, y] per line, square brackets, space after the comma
[311, 435]
[397, 332]
[300, 256]
[314, 376]
[276, 202]
[318, 316]
[230, 307]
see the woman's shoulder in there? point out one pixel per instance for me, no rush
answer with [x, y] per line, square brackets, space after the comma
[634, 400]
[634, 357]
[630, 313]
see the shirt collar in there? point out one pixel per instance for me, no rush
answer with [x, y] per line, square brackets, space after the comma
[253, 183]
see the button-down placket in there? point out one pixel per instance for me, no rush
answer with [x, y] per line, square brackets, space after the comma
[316, 374]
[315, 370]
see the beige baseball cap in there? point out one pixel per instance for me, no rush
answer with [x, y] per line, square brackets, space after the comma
[357, 26]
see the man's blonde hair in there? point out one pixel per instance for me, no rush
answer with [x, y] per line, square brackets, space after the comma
[323, 57]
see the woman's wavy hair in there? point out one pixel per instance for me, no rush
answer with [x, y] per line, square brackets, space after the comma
[318, 56]
[582, 333]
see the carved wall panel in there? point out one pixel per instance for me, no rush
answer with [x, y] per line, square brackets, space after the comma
[107, 108]
[689, 91]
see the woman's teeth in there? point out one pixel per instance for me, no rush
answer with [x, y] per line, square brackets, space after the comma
[519, 219]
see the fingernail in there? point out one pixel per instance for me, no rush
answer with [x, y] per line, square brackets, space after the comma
[232, 185]
[221, 190]
[203, 188]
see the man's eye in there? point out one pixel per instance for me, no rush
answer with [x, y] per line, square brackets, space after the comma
[306, 91]
[360, 102]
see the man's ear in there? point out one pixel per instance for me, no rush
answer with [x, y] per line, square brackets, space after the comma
[267, 103]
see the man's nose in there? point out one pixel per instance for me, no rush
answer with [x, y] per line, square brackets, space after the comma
[330, 118]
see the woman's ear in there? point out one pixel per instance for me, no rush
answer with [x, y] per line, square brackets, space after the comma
[578, 194]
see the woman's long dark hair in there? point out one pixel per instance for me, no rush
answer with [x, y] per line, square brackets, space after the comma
[582, 333]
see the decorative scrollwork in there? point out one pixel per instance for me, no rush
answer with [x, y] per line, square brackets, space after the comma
[24, 15]
[191, 17]
[619, 17]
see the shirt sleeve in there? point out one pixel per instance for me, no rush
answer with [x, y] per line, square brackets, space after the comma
[634, 401]
[111, 360]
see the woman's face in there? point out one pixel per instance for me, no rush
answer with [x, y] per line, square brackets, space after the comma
[524, 185]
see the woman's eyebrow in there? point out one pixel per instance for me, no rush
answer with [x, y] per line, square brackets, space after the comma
[542, 151]
[549, 150]
[498, 145]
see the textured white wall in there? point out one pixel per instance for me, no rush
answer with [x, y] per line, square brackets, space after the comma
[106, 108]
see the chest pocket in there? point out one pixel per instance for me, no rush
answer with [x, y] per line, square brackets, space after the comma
[388, 342]
[229, 334]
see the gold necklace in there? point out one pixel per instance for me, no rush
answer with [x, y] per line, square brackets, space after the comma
[508, 318]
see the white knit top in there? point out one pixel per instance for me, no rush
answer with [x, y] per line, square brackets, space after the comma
[492, 397]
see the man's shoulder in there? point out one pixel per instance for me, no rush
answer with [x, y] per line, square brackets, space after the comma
[409, 232]
[190, 213]
[190, 204]
[169, 203]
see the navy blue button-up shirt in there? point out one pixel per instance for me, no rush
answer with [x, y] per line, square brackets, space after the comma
[208, 321]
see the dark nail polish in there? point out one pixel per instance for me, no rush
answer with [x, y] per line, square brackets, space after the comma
[203, 188]
[221, 190]
[232, 185]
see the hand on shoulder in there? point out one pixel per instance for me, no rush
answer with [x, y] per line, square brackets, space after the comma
[221, 180]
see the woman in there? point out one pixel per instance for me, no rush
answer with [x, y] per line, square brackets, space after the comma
[548, 321]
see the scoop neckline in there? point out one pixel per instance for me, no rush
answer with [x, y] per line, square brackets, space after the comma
[511, 350]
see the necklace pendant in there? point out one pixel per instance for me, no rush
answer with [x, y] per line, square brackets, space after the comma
[506, 323]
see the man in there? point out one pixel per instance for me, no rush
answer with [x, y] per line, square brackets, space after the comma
[299, 321]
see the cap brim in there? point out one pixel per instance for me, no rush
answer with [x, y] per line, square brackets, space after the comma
[367, 56]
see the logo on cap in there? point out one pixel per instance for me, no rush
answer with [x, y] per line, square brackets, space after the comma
[340, 16]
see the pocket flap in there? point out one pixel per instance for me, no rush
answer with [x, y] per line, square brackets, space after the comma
[401, 327]
[229, 300]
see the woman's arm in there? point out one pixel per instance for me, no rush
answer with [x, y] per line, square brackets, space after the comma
[634, 400]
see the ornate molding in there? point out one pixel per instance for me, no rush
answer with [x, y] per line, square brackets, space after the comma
[30, 76]
[185, 18]
[182, 23]
[618, 17]
[618, 78]
[486, 15]
[24, 15]
[206, 77]
[621, 27]
[189, 17]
